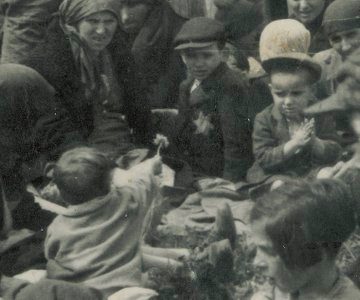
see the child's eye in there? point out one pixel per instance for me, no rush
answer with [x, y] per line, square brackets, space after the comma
[280, 94]
[92, 21]
[296, 93]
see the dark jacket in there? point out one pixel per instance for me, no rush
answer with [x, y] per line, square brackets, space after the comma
[270, 135]
[158, 67]
[214, 133]
[54, 60]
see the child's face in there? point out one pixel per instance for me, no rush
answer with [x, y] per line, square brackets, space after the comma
[355, 123]
[345, 42]
[273, 267]
[203, 61]
[291, 92]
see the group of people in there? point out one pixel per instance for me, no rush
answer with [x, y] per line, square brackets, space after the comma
[271, 105]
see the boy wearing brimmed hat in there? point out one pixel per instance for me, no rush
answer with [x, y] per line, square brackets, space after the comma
[213, 126]
[285, 144]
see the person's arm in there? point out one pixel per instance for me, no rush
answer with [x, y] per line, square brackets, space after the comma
[324, 147]
[14, 289]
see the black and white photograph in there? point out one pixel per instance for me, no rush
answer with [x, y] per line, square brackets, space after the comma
[179, 149]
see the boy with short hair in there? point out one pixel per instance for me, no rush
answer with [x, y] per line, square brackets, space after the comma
[97, 240]
[286, 144]
[213, 128]
[298, 230]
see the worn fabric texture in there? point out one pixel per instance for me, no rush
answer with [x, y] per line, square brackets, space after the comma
[48, 289]
[213, 128]
[269, 137]
[98, 243]
[24, 27]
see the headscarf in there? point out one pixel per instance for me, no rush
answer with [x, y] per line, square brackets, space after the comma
[73, 11]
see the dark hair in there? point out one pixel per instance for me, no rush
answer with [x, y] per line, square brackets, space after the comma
[305, 219]
[292, 66]
[82, 174]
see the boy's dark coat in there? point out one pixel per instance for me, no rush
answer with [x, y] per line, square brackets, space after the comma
[271, 133]
[226, 149]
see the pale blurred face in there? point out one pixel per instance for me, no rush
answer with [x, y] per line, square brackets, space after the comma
[345, 42]
[291, 92]
[306, 11]
[97, 30]
[272, 266]
[133, 16]
[203, 61]
[355, 123]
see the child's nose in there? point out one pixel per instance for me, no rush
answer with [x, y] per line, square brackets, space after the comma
[124, 15]
[303, 4]
[288, 100]
[260, 262]
[100, 28]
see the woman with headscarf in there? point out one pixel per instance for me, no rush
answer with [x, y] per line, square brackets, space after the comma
[97, 95]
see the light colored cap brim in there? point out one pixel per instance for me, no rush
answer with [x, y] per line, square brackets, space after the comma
[333, 103]
[199, 45]
[299, 58]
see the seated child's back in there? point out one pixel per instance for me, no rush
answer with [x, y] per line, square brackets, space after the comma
[97, 240]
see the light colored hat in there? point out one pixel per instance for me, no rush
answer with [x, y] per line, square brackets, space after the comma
[287, 41]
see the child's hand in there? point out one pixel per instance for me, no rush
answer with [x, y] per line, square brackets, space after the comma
[303, 134]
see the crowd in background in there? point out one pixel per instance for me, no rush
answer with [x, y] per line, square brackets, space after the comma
[262, 94]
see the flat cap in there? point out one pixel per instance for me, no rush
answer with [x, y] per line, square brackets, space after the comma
[199, 32]
[342, 15]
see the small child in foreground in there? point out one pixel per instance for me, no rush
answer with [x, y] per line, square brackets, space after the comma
[97, 241]
[298, 229]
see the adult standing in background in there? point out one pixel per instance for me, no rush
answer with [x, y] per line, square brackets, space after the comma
[148, 28]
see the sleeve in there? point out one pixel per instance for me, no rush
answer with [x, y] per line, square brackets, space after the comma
[51, 290]
[142, 182]
[267, 151]
[329, 151]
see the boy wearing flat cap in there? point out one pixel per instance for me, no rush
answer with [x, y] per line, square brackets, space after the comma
[285, 144]
[213, 129]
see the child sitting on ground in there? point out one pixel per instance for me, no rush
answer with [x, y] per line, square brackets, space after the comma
[298, 229]
[98, 240]
[285, 144]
